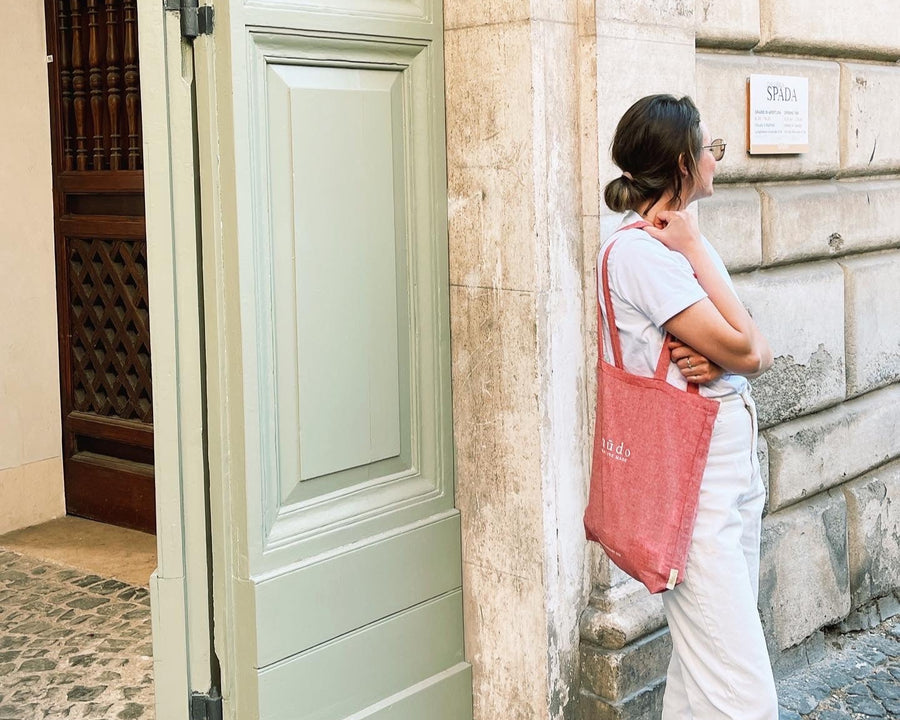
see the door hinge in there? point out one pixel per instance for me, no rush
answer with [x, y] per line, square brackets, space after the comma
[206, 706]
[196, 19]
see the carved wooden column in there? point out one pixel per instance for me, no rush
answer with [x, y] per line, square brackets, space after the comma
[132, 98]
[95, 75]
[78, 86]
[113, 89]
[65, 81]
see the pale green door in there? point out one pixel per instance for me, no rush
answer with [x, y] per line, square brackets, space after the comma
[336, 545]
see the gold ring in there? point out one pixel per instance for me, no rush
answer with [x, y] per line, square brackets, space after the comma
[690, 364]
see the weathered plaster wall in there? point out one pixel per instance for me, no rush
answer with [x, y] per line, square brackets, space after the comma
[812, 241]
[518, 349]
[30, 453]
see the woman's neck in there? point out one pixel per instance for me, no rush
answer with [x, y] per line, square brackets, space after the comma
[649, 212]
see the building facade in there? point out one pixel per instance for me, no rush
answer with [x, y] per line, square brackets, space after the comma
[527, 100]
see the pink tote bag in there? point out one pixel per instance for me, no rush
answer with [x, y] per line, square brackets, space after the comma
[651, 442]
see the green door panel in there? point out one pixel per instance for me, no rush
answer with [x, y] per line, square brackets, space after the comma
[335, 680]
[349, 313]
[336, 545]
[339, 273]
[445, 696]
[346, 135]
[356, 588]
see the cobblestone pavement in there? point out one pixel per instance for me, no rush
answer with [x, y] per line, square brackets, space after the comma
[78, 647]
[72, 646]
[858, 679]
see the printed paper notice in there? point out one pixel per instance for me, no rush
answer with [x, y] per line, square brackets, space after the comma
[778, 108]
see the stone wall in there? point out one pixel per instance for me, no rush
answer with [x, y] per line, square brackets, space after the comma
[534, 90]
[31, 485]
[812, 243]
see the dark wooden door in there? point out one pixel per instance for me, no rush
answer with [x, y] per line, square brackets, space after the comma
[101, 261]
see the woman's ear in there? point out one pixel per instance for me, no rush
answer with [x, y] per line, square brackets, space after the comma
[682, 166]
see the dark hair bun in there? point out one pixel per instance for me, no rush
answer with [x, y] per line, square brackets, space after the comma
[622, 194]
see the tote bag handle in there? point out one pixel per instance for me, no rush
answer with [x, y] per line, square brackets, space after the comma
[662, 364]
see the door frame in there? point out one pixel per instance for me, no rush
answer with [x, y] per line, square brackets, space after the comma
[180, 587]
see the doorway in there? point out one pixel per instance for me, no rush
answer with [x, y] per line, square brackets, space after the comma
[101, 261]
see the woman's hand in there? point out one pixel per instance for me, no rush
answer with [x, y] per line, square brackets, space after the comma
[677, 230]
[694, 367]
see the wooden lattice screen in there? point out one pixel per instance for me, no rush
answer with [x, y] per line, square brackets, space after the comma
[110, 332]
[101, 260]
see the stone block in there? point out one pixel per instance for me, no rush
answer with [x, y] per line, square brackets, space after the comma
[832, 28]
[506, 642]
[497, 429]
[815, 453]
[587, 18]
[475, 13]
[870, 220]
[836, 218]
[557, 190]
[804, 581]
[589, 154]
[817, 234]
[730, 220]
[799, 657]
[888, 607]
[490, 143]
[861, 619]
[646, 703]
[557, 11]
[635, 60]
[870, 115]
[762, 454]
[727, 23]
[872, 307]
[800, 310]
[615, 674]
[621, 615]
[722, 99]
[590, 235]
[873, 540]
[648, 12]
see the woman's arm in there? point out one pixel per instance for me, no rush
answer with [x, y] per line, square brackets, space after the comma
[718, 326]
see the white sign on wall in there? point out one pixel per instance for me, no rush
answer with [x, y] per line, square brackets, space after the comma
[778, 114]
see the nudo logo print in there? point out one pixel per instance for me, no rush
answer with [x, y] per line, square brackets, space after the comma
[616, 450]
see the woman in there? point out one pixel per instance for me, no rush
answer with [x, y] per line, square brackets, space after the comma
[667, 278]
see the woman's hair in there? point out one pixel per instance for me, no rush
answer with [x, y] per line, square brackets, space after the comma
[652, 136]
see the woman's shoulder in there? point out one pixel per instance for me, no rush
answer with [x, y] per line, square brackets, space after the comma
[634, 247]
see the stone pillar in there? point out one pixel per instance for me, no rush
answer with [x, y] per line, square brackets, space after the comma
[517, 347]
[31, 485]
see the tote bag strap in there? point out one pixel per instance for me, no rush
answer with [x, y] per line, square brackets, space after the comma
[662, 365]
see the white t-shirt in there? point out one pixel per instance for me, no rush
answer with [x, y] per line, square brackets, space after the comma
[649, 284]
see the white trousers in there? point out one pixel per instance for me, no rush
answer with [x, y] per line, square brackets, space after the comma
[720, 668]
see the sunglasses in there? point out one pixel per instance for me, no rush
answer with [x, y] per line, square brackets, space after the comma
[718, 148]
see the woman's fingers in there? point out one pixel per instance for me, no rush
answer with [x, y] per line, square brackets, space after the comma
[677, 230]
[694, 368]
